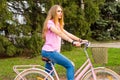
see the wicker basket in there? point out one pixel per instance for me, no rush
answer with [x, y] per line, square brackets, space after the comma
[100, 55]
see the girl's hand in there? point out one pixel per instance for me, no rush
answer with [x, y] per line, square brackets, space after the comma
[76, 43]
[84, 41]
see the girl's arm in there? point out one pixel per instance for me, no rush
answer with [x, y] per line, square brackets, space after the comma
[61, 34]
[72, 36]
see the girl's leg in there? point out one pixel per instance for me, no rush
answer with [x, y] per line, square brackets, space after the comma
[47, 64]
[49, 67]
[61, 60]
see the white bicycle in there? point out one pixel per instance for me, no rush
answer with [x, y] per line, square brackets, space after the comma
[85, 72]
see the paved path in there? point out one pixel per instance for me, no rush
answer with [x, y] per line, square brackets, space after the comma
[109, 45]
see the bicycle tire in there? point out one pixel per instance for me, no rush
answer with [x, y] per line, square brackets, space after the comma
[102, 73]
[33, 74]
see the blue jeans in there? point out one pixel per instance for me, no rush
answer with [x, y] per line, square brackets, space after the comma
[58, 58]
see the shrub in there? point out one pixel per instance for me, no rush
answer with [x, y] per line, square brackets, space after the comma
[6, 47]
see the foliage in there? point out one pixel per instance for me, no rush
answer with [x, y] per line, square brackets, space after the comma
[107, 27]
[77, 20]
[30, 45]
[3, 12]
[35, 44]
[6, 47]
[18, 32]
[80, 24]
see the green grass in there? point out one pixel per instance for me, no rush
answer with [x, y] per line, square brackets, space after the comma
[114, 59]
[76, 55]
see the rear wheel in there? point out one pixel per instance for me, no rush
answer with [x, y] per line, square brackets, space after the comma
[34, 74]
[102, 74]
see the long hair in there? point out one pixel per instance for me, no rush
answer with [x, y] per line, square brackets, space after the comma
[52, 15]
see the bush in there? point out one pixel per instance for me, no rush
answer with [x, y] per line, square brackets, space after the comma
[6, 47]
[66, 46]
[107, 27]
[30, 46]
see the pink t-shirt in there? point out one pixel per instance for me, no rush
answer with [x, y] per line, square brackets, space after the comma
[53, 41]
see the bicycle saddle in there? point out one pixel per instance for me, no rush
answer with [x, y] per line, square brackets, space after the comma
[45, 59]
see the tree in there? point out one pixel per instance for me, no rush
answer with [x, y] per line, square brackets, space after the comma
[4, 15]
[107, 27]
[33, 14]
[79, 15]
[6, 47]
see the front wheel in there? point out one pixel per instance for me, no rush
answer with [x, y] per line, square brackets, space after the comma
[102, 73]
[33, 74]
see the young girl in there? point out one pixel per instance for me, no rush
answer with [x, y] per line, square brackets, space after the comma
[53, 32]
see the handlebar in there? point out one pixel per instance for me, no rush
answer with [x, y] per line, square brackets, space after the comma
[86, 44]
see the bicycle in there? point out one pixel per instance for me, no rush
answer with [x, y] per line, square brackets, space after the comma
[85, 72]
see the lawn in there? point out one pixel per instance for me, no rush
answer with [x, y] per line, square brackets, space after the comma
[76, 55]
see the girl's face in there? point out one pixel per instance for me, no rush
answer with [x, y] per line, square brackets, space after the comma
[59, 12]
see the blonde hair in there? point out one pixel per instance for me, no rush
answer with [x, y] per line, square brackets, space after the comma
[52, 14]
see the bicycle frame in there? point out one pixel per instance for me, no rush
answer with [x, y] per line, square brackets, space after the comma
[85, 67]
[78, 74]
[82, 70]
[22, 68]
[55, 72]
